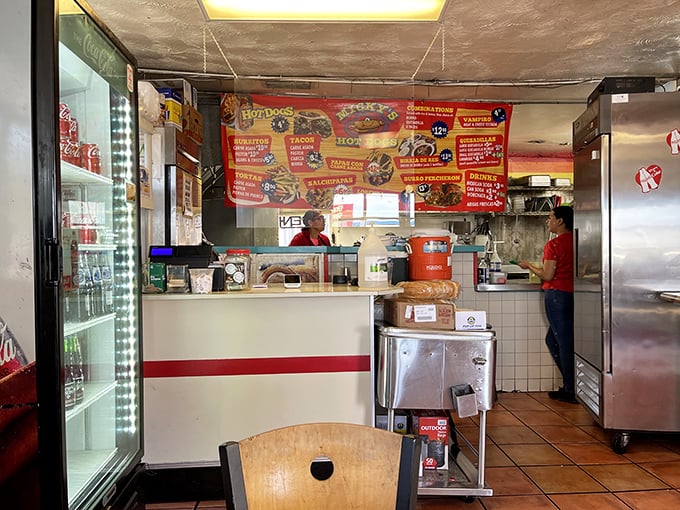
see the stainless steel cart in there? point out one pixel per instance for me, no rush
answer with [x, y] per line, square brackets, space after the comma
[436, 369]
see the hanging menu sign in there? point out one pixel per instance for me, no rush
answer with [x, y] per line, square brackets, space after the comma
[289, 152]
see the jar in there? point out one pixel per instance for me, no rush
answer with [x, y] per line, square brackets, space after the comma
[236, 269]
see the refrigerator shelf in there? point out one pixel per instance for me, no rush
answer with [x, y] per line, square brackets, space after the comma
[76, 175]
[93, 393]
[84, 468]
[77, 327]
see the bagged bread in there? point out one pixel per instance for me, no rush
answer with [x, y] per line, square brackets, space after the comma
[430, 289]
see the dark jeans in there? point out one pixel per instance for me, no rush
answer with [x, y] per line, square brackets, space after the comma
[559, 308]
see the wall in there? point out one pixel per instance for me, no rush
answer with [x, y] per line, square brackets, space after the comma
[523, 362]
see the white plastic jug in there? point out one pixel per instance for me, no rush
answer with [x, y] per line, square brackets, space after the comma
[372, 261]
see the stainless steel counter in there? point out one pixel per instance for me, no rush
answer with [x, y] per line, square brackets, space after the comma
[511, 286]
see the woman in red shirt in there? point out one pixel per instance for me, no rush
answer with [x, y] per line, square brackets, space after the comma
[557, 274]
[314, 223]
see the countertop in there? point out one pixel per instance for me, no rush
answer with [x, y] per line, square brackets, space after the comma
[277, 290]
[511, 286]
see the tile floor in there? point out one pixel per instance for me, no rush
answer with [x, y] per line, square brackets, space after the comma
[550, 455]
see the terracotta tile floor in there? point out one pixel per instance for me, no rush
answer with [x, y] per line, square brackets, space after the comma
[550, 455]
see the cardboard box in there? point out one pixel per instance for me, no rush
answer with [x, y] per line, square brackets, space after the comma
[180, 89]
[173, 113]
[400, 423]
[434, 432]
[170, 93]
[192, 123]
[410, 313]
[470, 320]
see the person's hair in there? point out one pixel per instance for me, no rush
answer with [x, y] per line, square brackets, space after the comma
[566, 214]
[309, 217]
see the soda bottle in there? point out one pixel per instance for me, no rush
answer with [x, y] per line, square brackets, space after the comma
[12, 357]
[85, 289]
[69, 382]
[107, 283]
[77, 368]
[482, 270]
[97, 293]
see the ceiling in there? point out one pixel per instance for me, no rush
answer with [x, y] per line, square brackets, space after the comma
[546, 57]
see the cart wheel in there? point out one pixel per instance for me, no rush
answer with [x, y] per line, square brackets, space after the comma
[469, 499]
[620, 442]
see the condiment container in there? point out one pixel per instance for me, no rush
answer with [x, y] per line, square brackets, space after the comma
[201, 280]
[372, 262]
[236, 269]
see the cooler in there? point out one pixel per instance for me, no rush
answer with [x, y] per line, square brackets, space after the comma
[429, 256]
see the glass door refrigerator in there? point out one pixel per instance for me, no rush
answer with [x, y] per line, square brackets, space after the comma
[90, 429]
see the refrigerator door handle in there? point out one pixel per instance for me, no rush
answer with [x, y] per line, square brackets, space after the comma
[54, 258]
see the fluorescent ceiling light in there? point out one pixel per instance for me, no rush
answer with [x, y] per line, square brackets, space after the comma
[323, 10]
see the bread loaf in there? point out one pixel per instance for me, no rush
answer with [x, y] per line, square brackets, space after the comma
[430, 289]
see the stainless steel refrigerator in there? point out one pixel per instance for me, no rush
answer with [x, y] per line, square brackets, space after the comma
[627, 262]
[86, 253]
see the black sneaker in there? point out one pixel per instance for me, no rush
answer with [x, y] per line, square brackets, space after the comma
[562, 396]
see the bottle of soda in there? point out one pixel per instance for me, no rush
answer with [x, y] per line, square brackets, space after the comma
[69, 382]
[71, 308]
[77, 368]
[12, 357]
[107, 282]
[85, 288]
[97, 292]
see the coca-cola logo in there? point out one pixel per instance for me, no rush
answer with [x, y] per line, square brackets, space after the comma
[92, 151]
[8, 351]
[104, 60]
[70, 149]
[64, 112]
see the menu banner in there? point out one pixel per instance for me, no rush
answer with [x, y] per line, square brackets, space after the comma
[299, 153]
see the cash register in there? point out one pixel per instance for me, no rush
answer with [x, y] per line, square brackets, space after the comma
[193, 256]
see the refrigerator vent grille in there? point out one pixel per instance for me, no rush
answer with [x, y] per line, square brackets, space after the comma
[588, 385]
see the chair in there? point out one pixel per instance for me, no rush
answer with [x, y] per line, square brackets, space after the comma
[323, 466]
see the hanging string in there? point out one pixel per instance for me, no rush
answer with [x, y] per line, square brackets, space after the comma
[205, 53]
[427, 52]
[443, 46]
[222, 53]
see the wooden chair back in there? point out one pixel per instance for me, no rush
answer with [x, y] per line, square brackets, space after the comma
[324, 466]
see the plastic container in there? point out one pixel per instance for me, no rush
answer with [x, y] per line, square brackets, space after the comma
[372, 262]
[236, 269]
[495, 262]
[201, 280]
[429, 256]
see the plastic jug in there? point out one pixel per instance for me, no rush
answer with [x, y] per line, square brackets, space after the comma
[372, 261]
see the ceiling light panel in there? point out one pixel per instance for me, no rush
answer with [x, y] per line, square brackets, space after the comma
[324, 10]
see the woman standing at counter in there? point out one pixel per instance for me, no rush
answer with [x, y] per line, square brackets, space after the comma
[314, 223]
[557, 274]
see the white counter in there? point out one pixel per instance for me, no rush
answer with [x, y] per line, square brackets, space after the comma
[227, 365]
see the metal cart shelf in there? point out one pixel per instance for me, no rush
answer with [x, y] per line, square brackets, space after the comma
[419, 369]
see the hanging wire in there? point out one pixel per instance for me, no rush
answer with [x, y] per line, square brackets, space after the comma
[443, 46]
[427, 52]
[205, 53]
[222, 53]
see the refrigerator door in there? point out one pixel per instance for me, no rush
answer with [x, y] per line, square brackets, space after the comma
[100, 241]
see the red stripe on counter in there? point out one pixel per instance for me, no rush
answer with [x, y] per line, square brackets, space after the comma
[256, 366]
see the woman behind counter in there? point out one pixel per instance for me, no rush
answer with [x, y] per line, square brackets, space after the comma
[558, 287]
[314, 223]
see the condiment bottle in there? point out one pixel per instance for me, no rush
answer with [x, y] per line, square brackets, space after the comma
[236, 269]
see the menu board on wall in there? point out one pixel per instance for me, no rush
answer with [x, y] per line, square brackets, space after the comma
[292, 152]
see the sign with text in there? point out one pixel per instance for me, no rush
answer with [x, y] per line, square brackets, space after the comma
[300, 153]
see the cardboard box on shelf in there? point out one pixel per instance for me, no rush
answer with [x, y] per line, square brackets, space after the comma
[180, 89]
[170, 93]
[470, 320]
[192, 123]
[173, 113]
[411, 313]
[434, 432]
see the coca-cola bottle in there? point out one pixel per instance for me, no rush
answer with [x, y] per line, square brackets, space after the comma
[107, 283]
[71, 307]
[69, 381]
[97, 293]
[12, 357]
[77, 368]
[85, 289]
